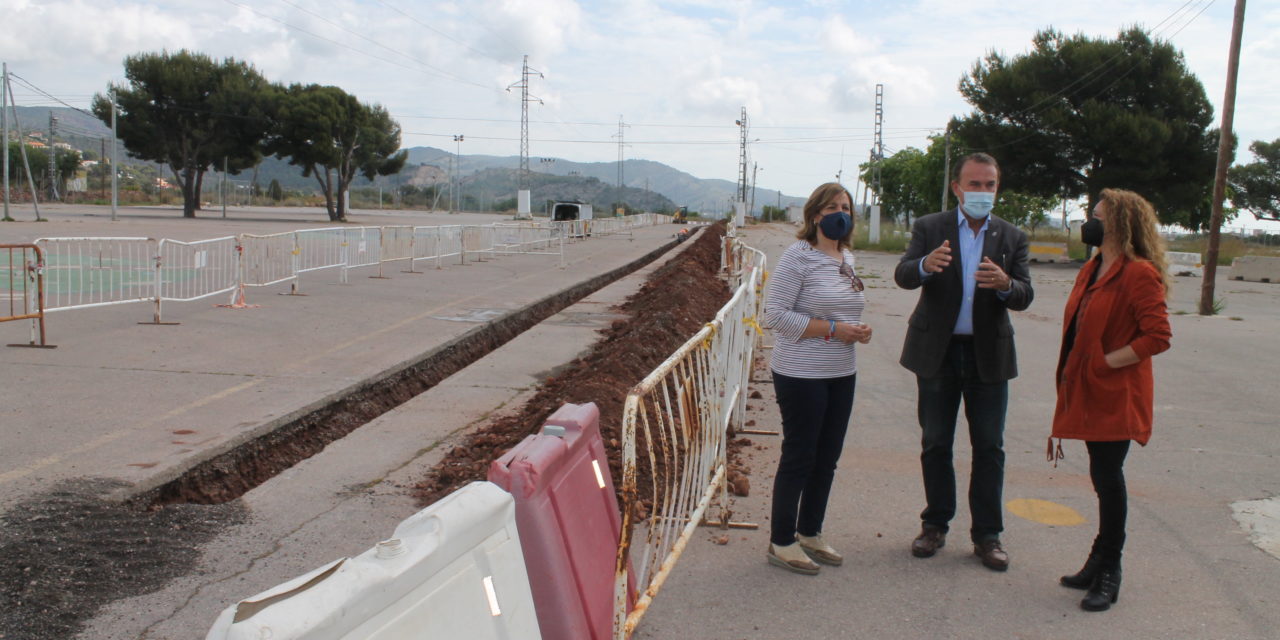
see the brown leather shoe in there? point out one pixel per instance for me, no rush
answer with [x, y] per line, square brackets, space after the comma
[928, 542]
[993, 555]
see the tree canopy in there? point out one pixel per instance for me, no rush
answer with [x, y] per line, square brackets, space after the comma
[1256, 186]
[190, 111]
[1076, 115]
[334, 137]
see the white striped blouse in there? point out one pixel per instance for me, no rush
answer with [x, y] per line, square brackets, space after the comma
[806, 284]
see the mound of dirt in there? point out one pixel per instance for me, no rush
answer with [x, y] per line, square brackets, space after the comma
[66, 553]
[672, 305]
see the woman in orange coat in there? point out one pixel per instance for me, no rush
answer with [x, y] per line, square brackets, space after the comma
[1115, 320]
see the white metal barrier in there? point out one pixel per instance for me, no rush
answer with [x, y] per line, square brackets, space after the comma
[187, 271]
[535, 239]
[397, 244]
[362, 247]
[679, 419]
[269, 259]
[94, 272]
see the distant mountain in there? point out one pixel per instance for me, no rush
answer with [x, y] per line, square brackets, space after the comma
[649, 184]
[681, 188]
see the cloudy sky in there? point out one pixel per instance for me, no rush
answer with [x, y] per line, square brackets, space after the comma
[678, 72]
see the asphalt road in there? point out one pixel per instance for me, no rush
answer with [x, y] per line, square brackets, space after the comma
[1190, 569]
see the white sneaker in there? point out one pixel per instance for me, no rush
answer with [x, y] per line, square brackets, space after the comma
[819, 550]
[792, 558]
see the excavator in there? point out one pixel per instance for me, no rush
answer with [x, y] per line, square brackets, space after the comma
[681, 215]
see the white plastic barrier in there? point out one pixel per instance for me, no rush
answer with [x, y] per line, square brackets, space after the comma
[1253, 269]
[1185, 263]
[94, 272]
[452, 571]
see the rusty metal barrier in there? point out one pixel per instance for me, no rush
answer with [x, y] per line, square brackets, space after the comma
[23, 280]
[675, 434]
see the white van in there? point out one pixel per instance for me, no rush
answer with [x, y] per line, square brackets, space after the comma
[561, 211]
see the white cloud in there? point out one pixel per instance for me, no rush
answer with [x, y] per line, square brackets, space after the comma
[808, 67]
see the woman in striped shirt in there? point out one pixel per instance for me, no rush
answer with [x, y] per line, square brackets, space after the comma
[814, 305]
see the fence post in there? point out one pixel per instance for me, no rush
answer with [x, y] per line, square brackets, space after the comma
[295, 287]
[158, 283]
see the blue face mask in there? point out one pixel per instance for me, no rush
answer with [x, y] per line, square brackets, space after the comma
[836, 226]
[978, 203]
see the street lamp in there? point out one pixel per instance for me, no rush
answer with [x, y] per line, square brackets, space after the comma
[456, 182]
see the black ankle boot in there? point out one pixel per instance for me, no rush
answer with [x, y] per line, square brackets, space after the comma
[1104, 592]
[1083, 579]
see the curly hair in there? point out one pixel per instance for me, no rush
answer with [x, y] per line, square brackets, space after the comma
[1132, 225]
[820, 198]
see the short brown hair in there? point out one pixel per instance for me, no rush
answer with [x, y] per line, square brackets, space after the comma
[820, 197]
[980, 158]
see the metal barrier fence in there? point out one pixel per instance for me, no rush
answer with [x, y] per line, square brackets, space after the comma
[187, 271]
[22, 283]
[679, 418]
[477, 241]
[79, 273]
[94, 272]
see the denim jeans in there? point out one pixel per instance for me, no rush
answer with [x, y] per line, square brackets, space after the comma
[984, 408]
[815, 417]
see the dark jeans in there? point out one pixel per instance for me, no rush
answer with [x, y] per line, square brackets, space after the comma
[1106, 469]
[815, 417]
[984, 408]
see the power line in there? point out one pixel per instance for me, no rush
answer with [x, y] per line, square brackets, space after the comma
[437, 72]
[434, 30]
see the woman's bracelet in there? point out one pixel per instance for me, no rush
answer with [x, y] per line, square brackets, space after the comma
[832, 331]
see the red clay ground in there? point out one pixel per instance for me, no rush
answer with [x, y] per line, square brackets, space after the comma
[673, 304]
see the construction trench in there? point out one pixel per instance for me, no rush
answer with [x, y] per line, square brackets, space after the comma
[66, 554]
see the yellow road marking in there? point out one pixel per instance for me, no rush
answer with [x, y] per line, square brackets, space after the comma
[1045, 512]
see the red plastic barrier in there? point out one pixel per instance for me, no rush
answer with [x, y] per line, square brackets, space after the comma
[569, 523]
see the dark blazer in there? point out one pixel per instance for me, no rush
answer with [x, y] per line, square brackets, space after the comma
[931, 324]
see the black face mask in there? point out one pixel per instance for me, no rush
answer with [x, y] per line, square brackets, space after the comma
[1091, 232]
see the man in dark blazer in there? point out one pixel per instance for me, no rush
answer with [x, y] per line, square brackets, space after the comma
[971, 269]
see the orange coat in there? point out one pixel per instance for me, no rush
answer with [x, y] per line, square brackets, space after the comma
[1126, 306]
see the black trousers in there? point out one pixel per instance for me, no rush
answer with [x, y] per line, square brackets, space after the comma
[815, 417]
[1106, 469]
[938, 406]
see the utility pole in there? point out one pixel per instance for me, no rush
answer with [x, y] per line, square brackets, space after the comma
[621, 204]
[522, 196]
[22, 147]
[742, 156]
[224, 187]
[879, 140]
[115, 153]
[754, 168]
[456, 183]
[946, 168]
[102, 173]
[4, 124]
[53, 160]
[1224, 158]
